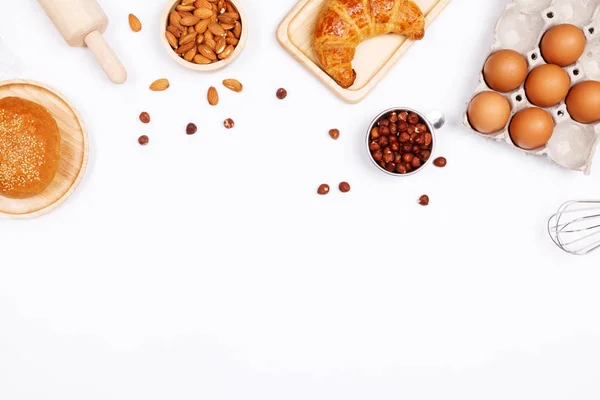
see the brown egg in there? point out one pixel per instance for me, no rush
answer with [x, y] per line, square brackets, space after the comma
[531, 128]
[547, 85]
[505, 70]
[488, 112]
[563, 45]
[583, 102]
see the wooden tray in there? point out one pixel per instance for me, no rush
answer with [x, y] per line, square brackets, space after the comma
[374, 58]
[74, 150]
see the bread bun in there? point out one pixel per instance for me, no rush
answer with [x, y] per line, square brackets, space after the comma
[29, 148]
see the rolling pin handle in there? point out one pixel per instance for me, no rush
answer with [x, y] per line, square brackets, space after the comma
[106, 57]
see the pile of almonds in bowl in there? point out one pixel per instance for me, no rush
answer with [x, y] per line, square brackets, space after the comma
[400, 142]
[204, 34]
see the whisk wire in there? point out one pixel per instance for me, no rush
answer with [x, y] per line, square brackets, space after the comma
[575, 228]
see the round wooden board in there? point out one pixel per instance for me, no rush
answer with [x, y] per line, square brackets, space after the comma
[74, 150]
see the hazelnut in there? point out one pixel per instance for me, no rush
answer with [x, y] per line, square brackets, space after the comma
[143, 140]
[384, 131]
[375, 133]
[413, 118]
[401, 169]
[403, 116]
[421, 128]
[344, 187]
[391, 167]
[281, 93]
[383, 141]
[393, 117]
[384, 122]
[402, 126]
[191, 129]
[428, 138]
[416, 162]
[404, 137]
[374, 146]
[440, 162]
[323, 189]
[228, 123]
[334, 134]
[145, 117]
[388, 157]
[424, 200]
[378, 155]
[408, 157]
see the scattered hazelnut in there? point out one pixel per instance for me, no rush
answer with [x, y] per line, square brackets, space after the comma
[143, 140]
[281, 93]
[424, 200]
[228, 123]
[334, 134]
[440, 162]
[323, 189]
[145, 117]
[191, 129]
[344, 187]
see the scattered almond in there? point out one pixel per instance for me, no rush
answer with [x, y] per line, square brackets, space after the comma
[159, 85]
[213, 96]
[233, 84]
[134, 23]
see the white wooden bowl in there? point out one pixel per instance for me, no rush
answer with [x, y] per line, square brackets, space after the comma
[164, 22]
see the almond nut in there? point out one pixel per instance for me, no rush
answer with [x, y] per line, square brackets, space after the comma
[174, 31]
[203, 13]
[185, 48]
[189, 37]
[237, 30]
[213, 96]
[233, 84]
[134, 23]
[207, 52]
[172, 40]
[174, 19]
[189, 55]
[220, 45]
[216, 29]
[159, 85]
[227, 52]
[211, 43]
[202, 26]
[198, 59]
[185, 8]
[203, 4]
[189, 21]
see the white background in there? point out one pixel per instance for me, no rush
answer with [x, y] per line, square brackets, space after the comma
[206, 267]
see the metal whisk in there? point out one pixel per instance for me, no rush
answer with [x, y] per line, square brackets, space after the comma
[575, 227]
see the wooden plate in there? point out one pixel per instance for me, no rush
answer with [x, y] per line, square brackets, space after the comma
[374, 58]
[74, 150]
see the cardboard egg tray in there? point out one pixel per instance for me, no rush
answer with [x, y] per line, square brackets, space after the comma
[521, 28]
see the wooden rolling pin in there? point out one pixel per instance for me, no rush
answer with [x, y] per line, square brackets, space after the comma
[82, 23]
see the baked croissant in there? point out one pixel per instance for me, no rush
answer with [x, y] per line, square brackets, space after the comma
[344, 24]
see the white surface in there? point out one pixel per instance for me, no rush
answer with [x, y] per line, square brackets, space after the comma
[206, 267]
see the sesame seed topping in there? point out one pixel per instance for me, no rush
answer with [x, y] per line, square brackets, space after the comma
[21, 151]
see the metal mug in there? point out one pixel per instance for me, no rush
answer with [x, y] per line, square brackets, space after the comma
[434, 120]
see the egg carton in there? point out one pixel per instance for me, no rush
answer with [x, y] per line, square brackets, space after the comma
[521, 28]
